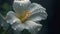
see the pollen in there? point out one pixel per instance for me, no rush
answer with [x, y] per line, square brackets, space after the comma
[25, 15]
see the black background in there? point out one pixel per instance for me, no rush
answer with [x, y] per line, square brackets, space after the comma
[51, 24]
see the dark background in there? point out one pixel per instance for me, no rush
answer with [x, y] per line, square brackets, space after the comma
[50, 25]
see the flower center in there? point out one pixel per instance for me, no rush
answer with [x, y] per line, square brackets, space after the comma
[24, 16]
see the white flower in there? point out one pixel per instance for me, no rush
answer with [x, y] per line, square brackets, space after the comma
[37, 14]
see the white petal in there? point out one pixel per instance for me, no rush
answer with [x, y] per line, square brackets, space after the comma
[35, 6]
[38, 12]
[22, 0]
[33, 27]
[11, 17]
[19, 6]
[38, 16]
[18, 28]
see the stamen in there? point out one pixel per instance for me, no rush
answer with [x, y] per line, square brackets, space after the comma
[25, 16]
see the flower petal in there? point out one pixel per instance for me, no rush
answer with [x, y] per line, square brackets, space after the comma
[19, 6]
[34, 6]
[14, 22]
[38, 12]
[33, 27]
[11, 17]
[38, 16]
